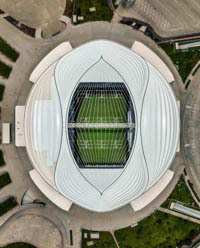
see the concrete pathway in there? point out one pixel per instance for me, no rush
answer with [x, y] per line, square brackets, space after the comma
[186, 178]
[40, 230]
[167, 19]
[113, 235]
[34, 13]
[191, 134]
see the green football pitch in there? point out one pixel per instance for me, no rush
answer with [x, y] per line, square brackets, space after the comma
[102, 145]
[103, 109]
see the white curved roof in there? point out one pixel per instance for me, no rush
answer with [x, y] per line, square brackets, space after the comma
[157, 126]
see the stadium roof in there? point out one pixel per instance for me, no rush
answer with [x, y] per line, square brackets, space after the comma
[101, 125]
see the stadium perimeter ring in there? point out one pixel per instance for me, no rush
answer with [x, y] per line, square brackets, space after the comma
[101, 125]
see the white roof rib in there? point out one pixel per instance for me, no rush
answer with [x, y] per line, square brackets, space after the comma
[43, 125]
[50, 59]
[156, 135]
[59, 200]
[153, 58]
[158, 115]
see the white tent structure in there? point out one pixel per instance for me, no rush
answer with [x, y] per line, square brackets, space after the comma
[156, 127]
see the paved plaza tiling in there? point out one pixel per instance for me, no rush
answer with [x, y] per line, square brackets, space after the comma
[34, 13]
[191, 128]
[168, 18]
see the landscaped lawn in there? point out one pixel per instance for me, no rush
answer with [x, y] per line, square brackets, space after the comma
[159, 230]
[2, 88]
[180, 193]
[7, 205]
[19, 245]
[103, 11]
[8, 51]
[4, 180]
[184, 61]
[105, 240]
[5, 70]
[2, 162]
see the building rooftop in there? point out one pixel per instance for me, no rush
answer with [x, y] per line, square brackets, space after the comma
[101, 125]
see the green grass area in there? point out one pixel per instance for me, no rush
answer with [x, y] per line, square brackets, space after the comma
[184, 61]
[159, 230]
[2, 88]
[19, 245]
[5, 70]
[8, 51]
[103, 109]
[102, 13]
[180, 193]
[102, 145]
[105, 240]
[7, 205]
[4, 180]
[2, 162]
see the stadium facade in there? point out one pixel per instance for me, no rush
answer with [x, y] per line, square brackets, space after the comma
[101, 125]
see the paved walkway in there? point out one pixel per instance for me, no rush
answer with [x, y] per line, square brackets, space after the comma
[34, 13]
[16, 92]
[33, 225]
[177, 18]
[186, 178]
[191, 130]
[113, 235]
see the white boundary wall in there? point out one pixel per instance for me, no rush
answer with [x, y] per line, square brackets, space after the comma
[49, 59]
[153, 192]
[19, 126]
[153, 58]
[6, 133]
[59, 200]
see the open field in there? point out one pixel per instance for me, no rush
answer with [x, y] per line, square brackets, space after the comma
[102, 13]
[184, 61]
[180, 193]
[105, 240]
[158, 230]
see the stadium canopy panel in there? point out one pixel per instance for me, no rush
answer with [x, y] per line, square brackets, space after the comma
[101, 125]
